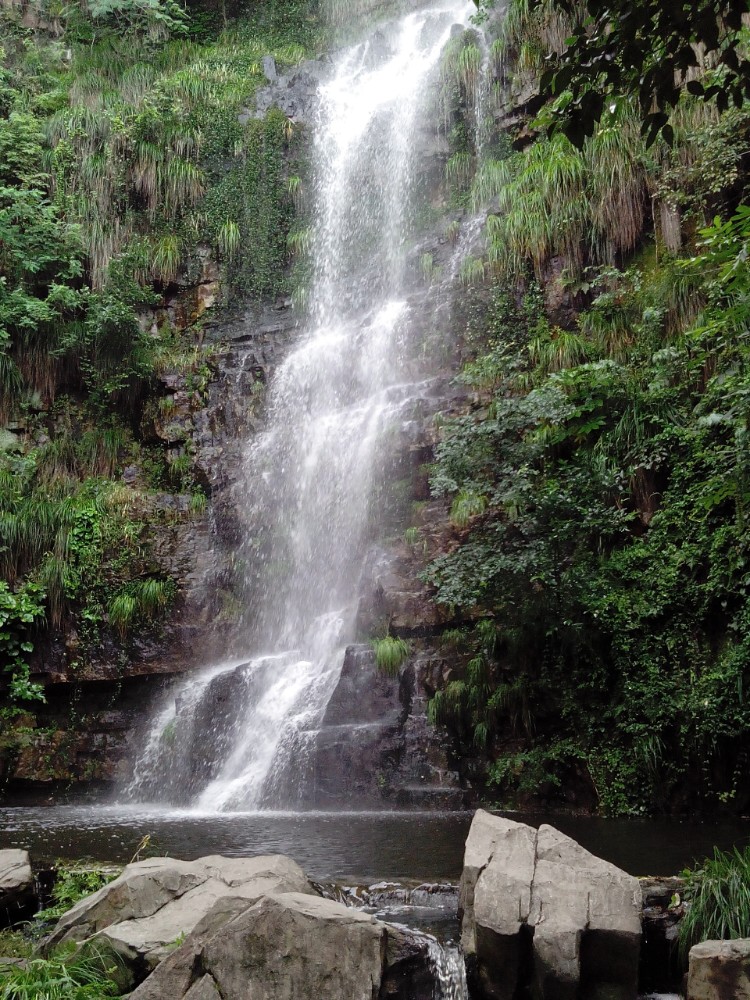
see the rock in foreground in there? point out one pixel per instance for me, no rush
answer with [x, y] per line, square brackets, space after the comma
[229, 929]
[540, 911]
[157, 902]
[17, 892]
[719, 970]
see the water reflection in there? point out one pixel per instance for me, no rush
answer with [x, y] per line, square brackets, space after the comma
[354, 847]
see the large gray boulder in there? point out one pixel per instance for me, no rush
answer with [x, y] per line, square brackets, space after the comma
[143, 915]
[234, 928]
[17, 890]
[539, 910]
[586, 915]
[719, 970]
[292, 945]
[495, 899]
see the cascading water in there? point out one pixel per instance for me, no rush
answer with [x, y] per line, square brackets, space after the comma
[310, 476]
[449, 968]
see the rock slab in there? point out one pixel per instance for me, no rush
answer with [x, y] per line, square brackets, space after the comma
[719, 970]
[539, 911]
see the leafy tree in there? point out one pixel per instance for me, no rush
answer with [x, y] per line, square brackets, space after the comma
[653, 50]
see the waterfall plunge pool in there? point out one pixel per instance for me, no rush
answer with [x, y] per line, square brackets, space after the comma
[359, 847]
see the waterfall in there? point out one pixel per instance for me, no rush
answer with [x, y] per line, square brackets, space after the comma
[308, 480]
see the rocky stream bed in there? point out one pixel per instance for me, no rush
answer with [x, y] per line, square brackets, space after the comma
[534, 914]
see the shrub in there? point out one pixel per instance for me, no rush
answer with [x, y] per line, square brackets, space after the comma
[718, 896]
[73, 882]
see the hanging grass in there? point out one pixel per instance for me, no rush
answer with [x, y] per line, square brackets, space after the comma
[554, 200]
[459, 169]
[390, 653]
[141, 599]
[466, 506]
[165, 260]
[427, 267]
[717, 894]
[473, 271]
[300, 241]
[461, 70]
[11, 386]
[122, 612]
[153, 595]
[229, 239]
[447, 704]
[530, 32]
[557, 350]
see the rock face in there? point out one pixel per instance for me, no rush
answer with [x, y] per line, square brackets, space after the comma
[375, 746]
[540, 911]
[719, 970]
[74, 752]
[17, 892]
[229, 929]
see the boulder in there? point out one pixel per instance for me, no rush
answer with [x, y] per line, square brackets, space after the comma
[291, 945]
[719, 970]
[538, 911]
[145, 914]
[495, 900]
[17, 891]
[586, 915]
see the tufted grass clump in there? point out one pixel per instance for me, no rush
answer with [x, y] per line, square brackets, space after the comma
[390, 653]
[139, 599]
[57, 978]
[717, 893]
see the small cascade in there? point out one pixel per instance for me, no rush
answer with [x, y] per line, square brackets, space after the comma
[449, 968]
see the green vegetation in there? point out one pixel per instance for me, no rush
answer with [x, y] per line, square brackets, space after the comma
[57, 978]
[717, 894]
[73, 882]
[124, 166]
[390, 654]
[66, 974]
[598, 489]
[593, 51]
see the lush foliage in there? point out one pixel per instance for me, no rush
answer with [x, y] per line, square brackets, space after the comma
[600, 498]
[650, 51]
[124, 166]
[717, 897]
[73, 882]
[390, 654]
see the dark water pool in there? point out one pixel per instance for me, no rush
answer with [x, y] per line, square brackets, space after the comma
[358, 846]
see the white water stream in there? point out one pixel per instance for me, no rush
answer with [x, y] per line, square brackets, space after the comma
[312, 473]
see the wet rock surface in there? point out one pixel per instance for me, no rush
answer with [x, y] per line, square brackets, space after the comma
[375, 745]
